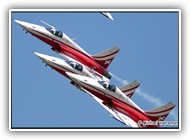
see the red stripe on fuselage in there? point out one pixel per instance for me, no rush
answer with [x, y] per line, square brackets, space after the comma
[73, 53]
[124, 108]
[129, 111]
[82, 58]
[62, 43]
[61, 71]
[116, 99]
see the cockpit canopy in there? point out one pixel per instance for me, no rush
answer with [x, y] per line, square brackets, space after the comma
[75, 65]
[108, 86]
[55, 32]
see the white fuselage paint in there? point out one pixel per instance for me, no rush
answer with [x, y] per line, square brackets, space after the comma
[43, 32]
[92, 84]
[64, 66]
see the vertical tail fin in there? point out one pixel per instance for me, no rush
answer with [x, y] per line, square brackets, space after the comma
[129, 89]
[105, 58]
[160, 113]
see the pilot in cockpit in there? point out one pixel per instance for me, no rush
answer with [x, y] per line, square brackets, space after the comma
[55, 32]
[75, 65]
[108, 86]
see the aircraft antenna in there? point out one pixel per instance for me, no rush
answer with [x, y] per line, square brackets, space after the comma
[47, 24]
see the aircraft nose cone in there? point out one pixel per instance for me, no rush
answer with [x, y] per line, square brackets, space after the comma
[22, 24]
[73, 76]
[41, 56]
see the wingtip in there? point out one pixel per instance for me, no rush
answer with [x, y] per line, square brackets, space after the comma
[171, 104]
[116, 48]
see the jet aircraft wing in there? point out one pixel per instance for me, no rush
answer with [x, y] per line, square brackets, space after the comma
[115, 114]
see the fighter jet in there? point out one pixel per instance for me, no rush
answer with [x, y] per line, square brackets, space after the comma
[66, 47]
[121, 107]
[116, 100]
[73, 66]
[108, 15]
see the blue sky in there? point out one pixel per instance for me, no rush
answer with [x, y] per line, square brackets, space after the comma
[148, 44]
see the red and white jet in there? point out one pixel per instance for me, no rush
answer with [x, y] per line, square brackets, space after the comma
[116, 100]
[119, 104]
[66, 47]
[72, 66]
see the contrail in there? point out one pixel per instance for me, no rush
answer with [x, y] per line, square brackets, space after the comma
[151, 99]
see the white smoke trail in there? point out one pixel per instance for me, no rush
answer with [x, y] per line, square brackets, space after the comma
[155, 101]
[123, 82]
[151, 99]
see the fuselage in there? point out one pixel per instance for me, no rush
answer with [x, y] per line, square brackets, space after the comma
[62, 44]
[115, 99]
[75, 67]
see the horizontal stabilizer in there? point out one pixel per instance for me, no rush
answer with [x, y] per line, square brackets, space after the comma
[105, 58]
[160, 113]
[129, 89]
